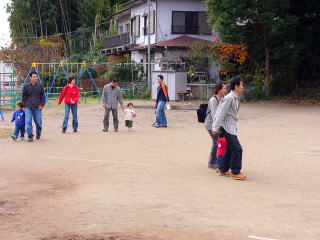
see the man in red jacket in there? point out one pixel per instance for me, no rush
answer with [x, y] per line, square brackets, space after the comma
[71, 95]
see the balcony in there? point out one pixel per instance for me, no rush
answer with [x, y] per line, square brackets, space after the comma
[117, 41]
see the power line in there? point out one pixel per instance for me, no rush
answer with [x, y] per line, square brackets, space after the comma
[68, 33]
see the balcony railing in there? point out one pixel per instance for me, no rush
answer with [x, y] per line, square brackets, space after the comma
[117, 41]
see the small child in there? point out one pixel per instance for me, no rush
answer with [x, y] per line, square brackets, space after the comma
[19, 119]
[130, 114]
[222, 146]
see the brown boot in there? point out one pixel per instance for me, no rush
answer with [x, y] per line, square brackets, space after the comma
[225, 174]
[239, 176]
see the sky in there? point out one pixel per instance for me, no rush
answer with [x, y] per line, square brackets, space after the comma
[4, 29]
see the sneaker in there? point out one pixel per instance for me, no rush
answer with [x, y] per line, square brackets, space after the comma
[21, 138]
[225, 174]
[239, 176]
[105, 130]
[75, 130]
[116, 130]
[30, 139]
[14, 138]
[64, 130]
[38, 136]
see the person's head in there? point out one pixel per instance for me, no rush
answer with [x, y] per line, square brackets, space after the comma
[19, 106]
[160, 79]
[72, 80]
[220, 88]
[33, 76]
[236, 85]
[114, 82]
[130, 105]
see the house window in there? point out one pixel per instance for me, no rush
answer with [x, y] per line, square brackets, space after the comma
[190, 23]
[152, 23]
[120, 29]
[135, 26]
[128, 27]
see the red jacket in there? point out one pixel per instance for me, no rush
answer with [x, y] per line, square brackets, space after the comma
[69, 93]
[222, 145]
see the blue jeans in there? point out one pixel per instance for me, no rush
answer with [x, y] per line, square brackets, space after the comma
[213, 152]
[219, 161]
[74, 108]
[161, 119]
[36, 115]
[19, 129]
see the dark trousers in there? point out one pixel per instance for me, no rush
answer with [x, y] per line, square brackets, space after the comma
[214, 147]
[233, 155]
[115, 118]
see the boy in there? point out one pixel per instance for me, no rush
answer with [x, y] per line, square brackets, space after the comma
[130, 114]
[19, 119]
[222, 146]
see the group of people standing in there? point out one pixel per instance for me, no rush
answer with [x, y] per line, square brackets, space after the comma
[33, 101]
[222, 124]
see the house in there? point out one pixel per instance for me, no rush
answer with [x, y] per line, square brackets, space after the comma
[175, 26]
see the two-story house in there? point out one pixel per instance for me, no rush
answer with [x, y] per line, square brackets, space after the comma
[175, 26]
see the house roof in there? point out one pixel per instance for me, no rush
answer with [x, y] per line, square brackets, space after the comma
[183, 41]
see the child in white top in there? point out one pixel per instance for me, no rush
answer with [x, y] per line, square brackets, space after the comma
[130, 114]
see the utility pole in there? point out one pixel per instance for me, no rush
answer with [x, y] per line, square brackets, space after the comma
[149, 47]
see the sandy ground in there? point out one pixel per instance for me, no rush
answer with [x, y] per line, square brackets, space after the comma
[155, 184]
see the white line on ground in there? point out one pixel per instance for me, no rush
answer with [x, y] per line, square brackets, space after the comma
[261, 238]
[307, 153]
[91, 160]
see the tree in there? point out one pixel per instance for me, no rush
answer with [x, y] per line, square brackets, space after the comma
[264, 26]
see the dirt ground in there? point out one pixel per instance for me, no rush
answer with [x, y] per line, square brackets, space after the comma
[154, 184]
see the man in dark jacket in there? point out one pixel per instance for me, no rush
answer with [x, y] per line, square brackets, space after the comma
[162, 99]
[33, 99]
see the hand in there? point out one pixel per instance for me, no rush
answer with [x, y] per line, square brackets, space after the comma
[122, 108]
[214, 133]
[169, 103]
[40, 107]
[72, 102]
[104, 105]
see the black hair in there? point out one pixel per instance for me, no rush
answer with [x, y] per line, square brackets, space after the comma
[30, 75]
[219, 85]
[20, 104]
[115, 80]
[160, 76]
[130, 104]
[71, 78]
[236, 81]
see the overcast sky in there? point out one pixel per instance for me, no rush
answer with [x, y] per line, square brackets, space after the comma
[4, 29]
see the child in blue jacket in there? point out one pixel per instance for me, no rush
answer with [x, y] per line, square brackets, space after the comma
[19, 119]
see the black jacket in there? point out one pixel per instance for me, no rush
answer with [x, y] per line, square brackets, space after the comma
[33, 96]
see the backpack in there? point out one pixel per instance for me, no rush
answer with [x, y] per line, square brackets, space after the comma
[202, 112]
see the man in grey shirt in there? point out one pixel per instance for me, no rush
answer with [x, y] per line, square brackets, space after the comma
[226, 120]
[111, 96]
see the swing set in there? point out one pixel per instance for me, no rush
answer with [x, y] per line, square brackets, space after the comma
[75, 69]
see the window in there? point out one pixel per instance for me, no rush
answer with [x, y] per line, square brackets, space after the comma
[135, 26]
[152, 23]
[128, 27]
[190, 23]
[120, 29]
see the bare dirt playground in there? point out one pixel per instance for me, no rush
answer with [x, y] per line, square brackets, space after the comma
[154, 184]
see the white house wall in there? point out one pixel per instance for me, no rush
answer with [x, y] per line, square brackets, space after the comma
[164, 17]
[142, 10]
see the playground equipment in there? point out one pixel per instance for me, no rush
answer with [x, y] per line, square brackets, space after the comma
[7, 86]
[75, 69]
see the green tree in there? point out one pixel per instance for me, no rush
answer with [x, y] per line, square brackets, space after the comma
[266, 27]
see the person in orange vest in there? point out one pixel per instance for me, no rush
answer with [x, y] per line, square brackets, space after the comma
[162, 100]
